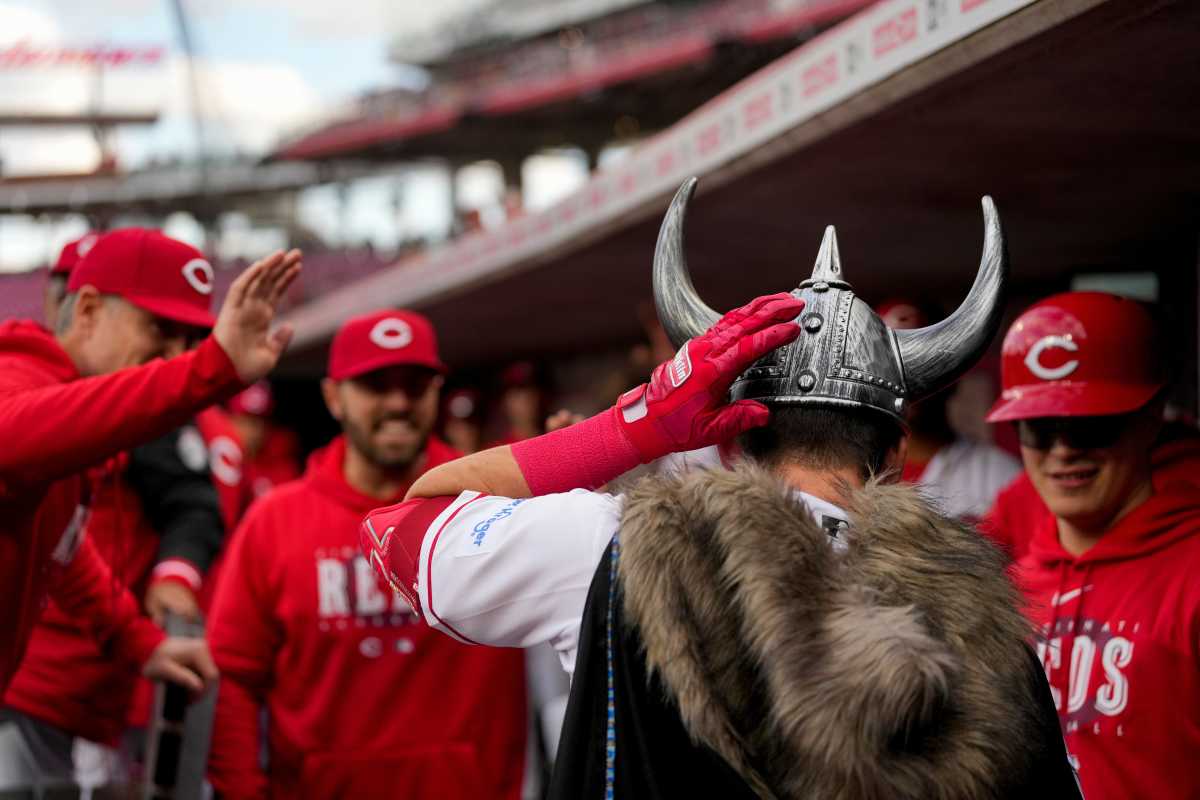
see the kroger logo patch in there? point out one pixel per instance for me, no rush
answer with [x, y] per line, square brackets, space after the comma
[479, 540]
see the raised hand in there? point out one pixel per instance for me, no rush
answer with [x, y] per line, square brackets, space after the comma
[685, 404]
[243, 326]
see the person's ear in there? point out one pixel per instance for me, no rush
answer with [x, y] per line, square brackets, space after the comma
[333, 398]
[896, 456]
[89, 306]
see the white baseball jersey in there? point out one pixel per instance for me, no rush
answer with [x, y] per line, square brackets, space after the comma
[516, 572]
[964, 478]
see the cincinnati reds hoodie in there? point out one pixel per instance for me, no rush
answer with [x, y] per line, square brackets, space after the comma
[362, 699]
[53, 427]
[1120, 641]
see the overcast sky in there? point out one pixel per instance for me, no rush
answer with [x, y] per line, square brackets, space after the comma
[266, 68]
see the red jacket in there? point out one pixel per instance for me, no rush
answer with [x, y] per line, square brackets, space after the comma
[232, 478]
[53, 426]
[1019, 510]
[1120, 643]
[226, 463]
[276, 462]
[65, 679]
[363, 700]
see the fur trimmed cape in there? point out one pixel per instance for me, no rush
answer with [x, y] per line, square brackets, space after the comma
[899, 668]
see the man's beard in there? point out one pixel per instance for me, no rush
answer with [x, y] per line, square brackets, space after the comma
[392, 460]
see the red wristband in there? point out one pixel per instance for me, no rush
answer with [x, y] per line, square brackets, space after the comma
[176, 569]
[684, 406]
[585, 455]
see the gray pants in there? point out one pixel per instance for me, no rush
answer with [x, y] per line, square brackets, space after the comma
[41, 762]
[35, 759]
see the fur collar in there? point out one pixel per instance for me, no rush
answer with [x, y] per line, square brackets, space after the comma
[897, 669]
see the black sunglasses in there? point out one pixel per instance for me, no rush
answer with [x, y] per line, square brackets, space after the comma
[1079, 433]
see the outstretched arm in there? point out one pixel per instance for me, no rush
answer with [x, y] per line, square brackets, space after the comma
[494, 471]
[683, 407]
[107, 414]
[483, 564]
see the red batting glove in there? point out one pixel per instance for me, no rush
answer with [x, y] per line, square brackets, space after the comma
[683, 407]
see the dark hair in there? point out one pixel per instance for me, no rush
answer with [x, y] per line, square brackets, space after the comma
[824, 438]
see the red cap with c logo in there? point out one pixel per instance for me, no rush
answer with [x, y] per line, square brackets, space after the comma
[383, 339]
[154, 272]
[1079, 354]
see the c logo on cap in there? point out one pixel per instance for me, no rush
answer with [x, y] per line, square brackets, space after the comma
[391, 333]
[192, 450]
[225, 460]
[255, 399]
[85, 244]
[199, 275]
[1033, 358]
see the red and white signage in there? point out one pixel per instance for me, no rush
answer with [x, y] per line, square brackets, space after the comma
[24, 54]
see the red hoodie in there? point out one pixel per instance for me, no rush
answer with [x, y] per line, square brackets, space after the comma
[362, 699]
[1121, 646]
[1019, 510]
[53, 426]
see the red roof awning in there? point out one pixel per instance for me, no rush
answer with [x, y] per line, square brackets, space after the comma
[673, 54]
[513, 95]
[347, 137]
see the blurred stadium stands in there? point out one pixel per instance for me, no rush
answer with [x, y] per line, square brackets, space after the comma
[722, 40]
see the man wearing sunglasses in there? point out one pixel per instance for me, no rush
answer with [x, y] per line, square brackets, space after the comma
[1110, 573]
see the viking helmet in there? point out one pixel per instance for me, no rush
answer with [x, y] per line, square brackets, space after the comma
[845, 356]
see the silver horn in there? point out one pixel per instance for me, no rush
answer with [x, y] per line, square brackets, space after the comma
[937, 355]
[680, 310]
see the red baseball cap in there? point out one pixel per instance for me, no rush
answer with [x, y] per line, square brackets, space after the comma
[901, 314]
[164, 276]
[519, 374]
[256, 400]
[383, 339]
[1079, 354]
[72, 252]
